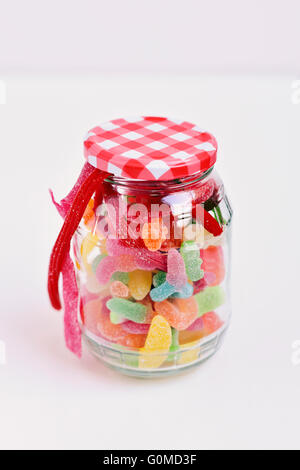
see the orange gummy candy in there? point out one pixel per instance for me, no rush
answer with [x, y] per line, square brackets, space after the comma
[154, 233]
[180, 314]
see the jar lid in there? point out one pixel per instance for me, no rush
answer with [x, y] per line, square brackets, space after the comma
[150, 148]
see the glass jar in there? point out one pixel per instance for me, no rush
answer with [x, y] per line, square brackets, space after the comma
[152, 256]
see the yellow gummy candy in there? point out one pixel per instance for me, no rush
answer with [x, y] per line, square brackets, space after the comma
[189, 356]
[88, 244]
[157, 344]
[139, 283]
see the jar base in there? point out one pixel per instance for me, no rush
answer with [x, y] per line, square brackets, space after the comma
[126, 362]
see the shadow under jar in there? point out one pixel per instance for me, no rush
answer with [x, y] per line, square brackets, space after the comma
[153, 258]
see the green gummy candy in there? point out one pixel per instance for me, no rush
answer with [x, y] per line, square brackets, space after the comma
[96, 261]
[133, 311]
[120, 276]
[174, 345]
[191, 257]
[159, 278]
[210, 299]
[116, 318]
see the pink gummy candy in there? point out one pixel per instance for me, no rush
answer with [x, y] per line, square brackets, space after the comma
[70, 295]
[135, 328]
[176, 275]
[197, 325]
[111, 264]
[206, 280]
[144, 258]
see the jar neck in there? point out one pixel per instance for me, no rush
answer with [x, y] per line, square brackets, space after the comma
[156, 187]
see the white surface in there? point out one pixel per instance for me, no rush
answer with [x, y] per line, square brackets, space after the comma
[150, 36]
[247, 396]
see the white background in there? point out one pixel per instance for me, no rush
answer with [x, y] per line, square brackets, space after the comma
[247, 396]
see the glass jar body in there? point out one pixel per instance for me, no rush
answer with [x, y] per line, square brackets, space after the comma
[153, 266]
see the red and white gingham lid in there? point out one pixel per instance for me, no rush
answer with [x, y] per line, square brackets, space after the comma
[150, 148]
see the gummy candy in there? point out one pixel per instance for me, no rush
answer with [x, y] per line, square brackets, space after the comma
[176, 275]
[159, 278]
[131, 310]
[153, 234]
[180, 313]
[191, 354]
[158, 340]
[213, 261]
[70, 295]
[110, 264]
[115, 333]
[88, 244]
[211, 322]
[62, 244]
[116, 318]
[91, 315]
[135, 328]
[197, 325]
[150, 312]
[162, 292]
[118, 289]
[144, 258]
[208, 279]
[96, 261]
[210, 299]
[89, 214]
[191, 256]
[139, 284]
[120, 276]
[187, 336]
[185, 292]
[207, 220]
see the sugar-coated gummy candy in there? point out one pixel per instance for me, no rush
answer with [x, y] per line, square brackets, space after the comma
[197, 325]
[176, 275]
[211, 322]
[157, 344]
[88, 244]
[120, 276]
[70, 294]
[91, 315]
[180, 313]
[144, 259]
[149, 306]
[191, 256]
[116, 334]
[116, 318]
[159, 278]
[187, 336]
[139, 284]
[190, 353]
[154, 233]
[135, 328]
[118, 289]
[210, 299]
[207, 279]
[133, 311]
[92, 284]
[186, 292]
[213, 262]
[110, 264]
[96, 261]
[162, 292]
